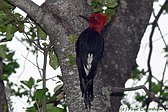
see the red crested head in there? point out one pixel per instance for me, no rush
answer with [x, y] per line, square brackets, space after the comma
[96, 21]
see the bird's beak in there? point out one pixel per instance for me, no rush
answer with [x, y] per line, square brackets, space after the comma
[84, 17]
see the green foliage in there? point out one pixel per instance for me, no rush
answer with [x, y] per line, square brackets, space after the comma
[41, 34]
[155, 87]
[6, 6]
[166, 51]
[3, 51]
[51, 108]
[53, 60]
[139, 97]
[40, 94]
[37, 95]
[31, 109]
[10, 30]
[29, 83]
[10, 23]
[110, 12]
[97, 5]
[9, 64]
[136, 74]
[104, 6]
[111, 3]
[166, 9]
[73, 38]
[71, 59]
[165, 95]
[10, 67]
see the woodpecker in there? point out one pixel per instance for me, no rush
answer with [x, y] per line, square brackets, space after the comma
[89, 50]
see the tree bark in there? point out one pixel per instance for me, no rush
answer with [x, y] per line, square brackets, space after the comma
[122, 35]
[122, 43]
[3, 100]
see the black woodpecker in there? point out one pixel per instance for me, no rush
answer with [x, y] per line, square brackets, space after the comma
[89, 50]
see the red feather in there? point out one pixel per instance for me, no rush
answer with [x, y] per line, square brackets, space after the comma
[97, 21]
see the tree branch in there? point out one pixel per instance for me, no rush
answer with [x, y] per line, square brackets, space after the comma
[150, 94]
[154, 25]
[44, 77]
[32, 9]
[40, 16]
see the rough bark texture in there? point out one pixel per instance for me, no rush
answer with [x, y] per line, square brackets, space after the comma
[122, 40]
[3, 101]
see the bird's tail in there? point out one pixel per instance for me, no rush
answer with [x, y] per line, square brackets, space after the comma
[88, 93]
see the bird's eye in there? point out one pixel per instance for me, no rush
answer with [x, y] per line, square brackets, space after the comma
[96, 18]
[92, 19]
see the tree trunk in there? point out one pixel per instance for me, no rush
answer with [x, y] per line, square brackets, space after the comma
[3, 101]
[122, 43]
[122, 35]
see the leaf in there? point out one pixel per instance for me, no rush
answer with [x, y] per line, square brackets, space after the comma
[95, 3]
[71, 59]
[10, 56]
[10, 68]
[41, 34]
[155, 87]
[98, 10]
[3, 18]
[166, 49]
[112, 3]
[29, 83]
[31, 109]
[5, 5]
[5, 77]
[58, 87]
[53, 60]
[40, 93]
[110, 12]
[165, 94]
[10, 30]
[52, 108]
[3, 50]
[44, 44]
[52, 98]
[137, 74]
[139, 97]
[73, 38]
[166, 9]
